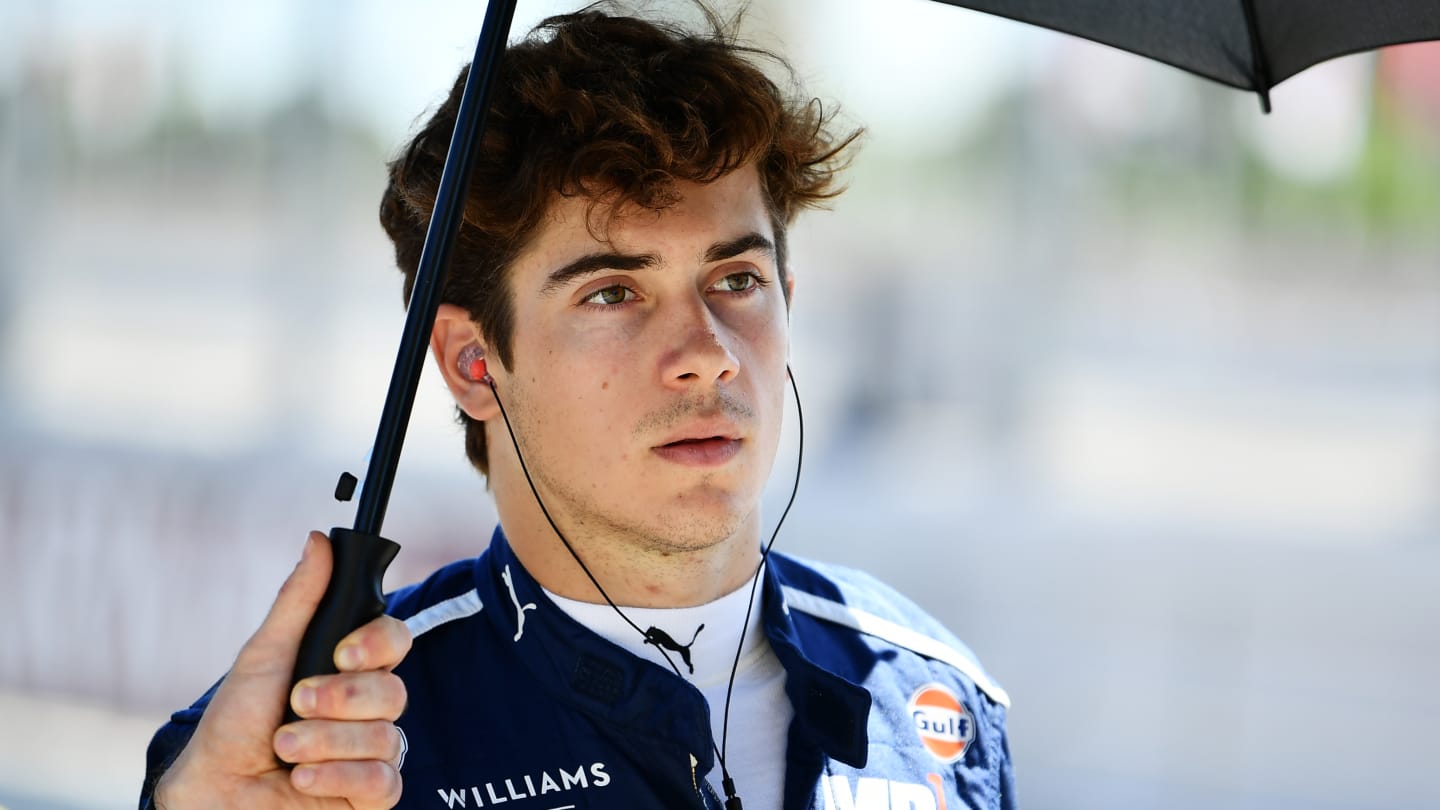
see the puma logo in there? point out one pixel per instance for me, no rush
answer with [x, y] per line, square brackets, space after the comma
[662, 639]
[519, 608]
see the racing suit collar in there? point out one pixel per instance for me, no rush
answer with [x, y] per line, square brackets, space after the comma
[833, 711]
[582, 669]
[579, 668]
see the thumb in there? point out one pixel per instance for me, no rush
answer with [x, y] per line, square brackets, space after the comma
[276, 644]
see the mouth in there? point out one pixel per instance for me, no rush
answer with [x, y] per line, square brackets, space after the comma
[700, 451]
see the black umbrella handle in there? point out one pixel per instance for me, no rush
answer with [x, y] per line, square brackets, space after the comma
[352, 598]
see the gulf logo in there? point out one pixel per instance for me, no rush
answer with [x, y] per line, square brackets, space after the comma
[945, 726]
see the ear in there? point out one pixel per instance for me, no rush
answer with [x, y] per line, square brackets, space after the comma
[454, 331]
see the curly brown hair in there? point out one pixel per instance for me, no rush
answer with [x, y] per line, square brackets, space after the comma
[603, 105]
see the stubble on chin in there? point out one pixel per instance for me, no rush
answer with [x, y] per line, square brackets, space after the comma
[671, 532]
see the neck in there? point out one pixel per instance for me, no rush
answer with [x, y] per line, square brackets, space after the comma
[633, 569]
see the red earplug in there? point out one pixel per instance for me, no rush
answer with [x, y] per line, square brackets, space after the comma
[472, 364]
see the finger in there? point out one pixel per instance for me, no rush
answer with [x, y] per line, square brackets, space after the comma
[325, 740]
[373, 695]
[378, 644]
[366, 785]
[274, 646]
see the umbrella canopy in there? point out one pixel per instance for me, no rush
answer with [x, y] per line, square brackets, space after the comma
[1249, 44]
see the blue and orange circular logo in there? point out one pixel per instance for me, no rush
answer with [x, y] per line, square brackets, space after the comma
[946, 728]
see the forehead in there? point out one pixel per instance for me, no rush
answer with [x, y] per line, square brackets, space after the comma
[701, 215]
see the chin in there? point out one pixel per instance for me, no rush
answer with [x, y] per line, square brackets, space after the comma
[696, 529]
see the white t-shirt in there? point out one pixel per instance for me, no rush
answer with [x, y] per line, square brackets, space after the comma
[760, 712]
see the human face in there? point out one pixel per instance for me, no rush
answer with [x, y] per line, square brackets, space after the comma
[649, 366]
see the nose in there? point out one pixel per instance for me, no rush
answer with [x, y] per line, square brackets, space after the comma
[699, 356]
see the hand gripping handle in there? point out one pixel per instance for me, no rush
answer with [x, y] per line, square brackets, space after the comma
[352, 598]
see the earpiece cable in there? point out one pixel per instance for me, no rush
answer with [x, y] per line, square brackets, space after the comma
[732, 800]
[764, 557]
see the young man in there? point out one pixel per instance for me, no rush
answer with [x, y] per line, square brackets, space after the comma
[615, 335]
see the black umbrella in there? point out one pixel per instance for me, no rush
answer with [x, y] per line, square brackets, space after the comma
[1250, 44]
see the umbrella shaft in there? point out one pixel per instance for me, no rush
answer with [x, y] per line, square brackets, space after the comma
[440, 238]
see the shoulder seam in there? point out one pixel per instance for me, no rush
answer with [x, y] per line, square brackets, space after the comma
[872, 625]
[457, 607]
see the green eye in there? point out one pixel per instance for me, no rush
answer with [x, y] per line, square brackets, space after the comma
[609, 296]
[738, 282]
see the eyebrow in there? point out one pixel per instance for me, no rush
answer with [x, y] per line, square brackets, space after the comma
[720, 251]
[595, 263]
[598, 262]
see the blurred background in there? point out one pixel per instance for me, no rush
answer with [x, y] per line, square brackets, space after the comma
[1136, 388]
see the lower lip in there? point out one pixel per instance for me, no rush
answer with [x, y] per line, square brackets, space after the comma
[707, 453]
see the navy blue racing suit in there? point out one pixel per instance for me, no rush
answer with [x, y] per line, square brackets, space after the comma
[526, 709]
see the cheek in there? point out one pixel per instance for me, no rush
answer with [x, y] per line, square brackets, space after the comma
[601, 351]
[586, 363]
[768, 343]
[587, 400]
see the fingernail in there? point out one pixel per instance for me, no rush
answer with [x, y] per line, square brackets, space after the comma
[349, 657]
[303, 776]
[287, 745]
[309, 544]
[304, 700]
